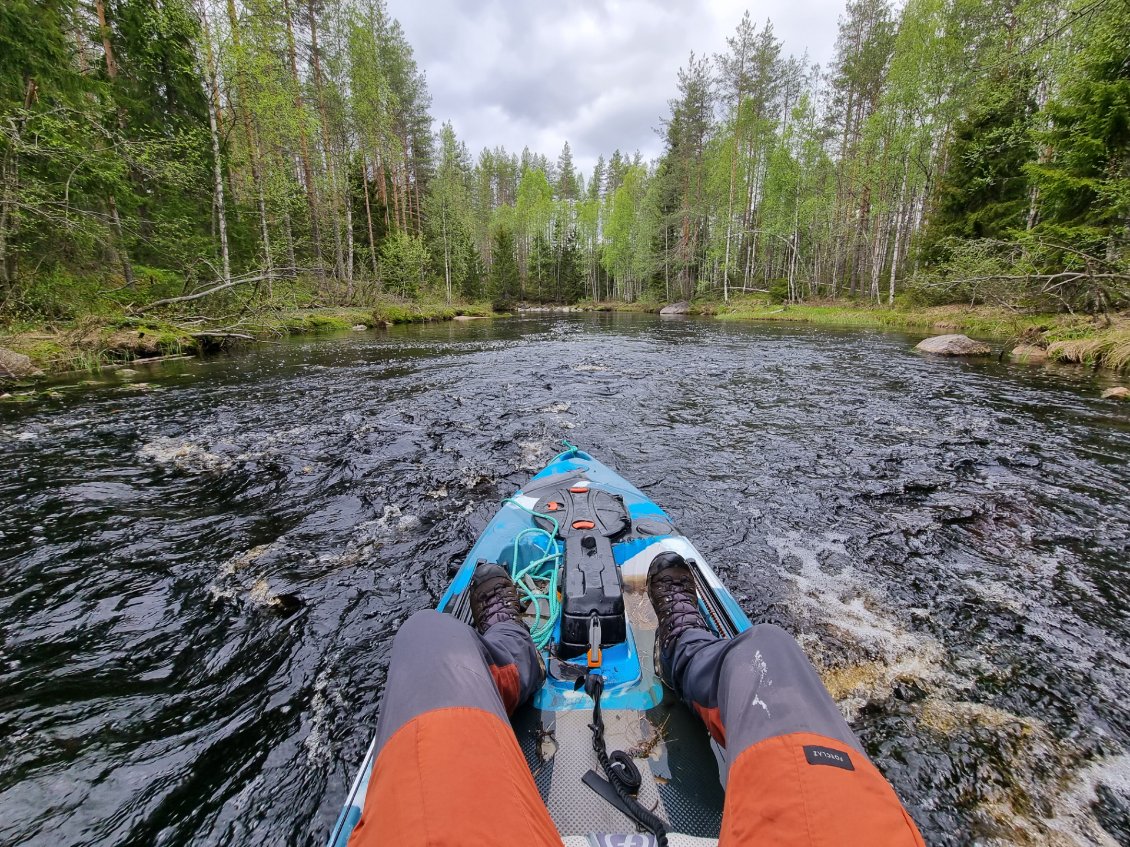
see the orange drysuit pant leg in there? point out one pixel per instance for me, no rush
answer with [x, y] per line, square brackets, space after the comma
[798, 776]
[448, 771]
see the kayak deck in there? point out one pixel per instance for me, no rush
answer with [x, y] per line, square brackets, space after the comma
[682, 770]
[680, 780]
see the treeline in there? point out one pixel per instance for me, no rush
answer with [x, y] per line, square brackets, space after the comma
[954, 150]
[963, 150]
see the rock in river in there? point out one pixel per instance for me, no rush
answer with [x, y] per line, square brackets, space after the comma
[359, 327]
[1028, 354]
[1119, 392]
[680, 308]
[954, 345]
[16, 365]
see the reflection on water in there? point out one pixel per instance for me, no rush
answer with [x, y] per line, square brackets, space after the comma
[202, 575]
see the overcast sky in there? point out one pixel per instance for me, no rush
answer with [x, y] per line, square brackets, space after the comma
[597, 73]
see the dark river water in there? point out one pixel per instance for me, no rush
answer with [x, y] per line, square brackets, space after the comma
[202, 573]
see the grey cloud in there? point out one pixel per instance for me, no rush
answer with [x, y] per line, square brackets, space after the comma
[598, 74]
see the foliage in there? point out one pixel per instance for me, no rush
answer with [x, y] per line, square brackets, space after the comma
[504, 277]
[954, 150]
[403, 263]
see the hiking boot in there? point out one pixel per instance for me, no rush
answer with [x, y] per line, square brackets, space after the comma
[670, 586]
[494, 597]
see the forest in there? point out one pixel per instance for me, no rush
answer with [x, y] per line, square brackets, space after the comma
[186, 153]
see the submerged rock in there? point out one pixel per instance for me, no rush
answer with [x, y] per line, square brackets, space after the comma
[1119, 392]
[1028, 354]
[15, 365]
[680, 308]
[954, 345]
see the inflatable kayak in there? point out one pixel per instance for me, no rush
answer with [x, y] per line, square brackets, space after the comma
[578, 540]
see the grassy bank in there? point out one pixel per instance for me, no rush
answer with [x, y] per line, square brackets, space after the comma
[1102, 341]
[108, 340]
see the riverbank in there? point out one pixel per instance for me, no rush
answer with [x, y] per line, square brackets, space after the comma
[108, 341]
[1099, 341]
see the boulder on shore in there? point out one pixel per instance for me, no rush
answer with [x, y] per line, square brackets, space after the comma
[1028, 354]
[680, 308]
[954, 345]
[15, 365]
[1119, 392]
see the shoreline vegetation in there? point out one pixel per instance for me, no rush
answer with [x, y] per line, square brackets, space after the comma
[184, 175]
[95, 343]
[114, 341]
[1099, 341]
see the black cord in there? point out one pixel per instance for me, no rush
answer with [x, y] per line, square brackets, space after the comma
[620, 769]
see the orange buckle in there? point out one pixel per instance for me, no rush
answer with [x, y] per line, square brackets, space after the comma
[595, 654]
[583, 525]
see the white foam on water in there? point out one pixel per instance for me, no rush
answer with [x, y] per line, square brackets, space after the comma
[183, 455]
[534, 455]
[1073, 818]
[851, 604]
[322, 704]
[237, 578]
[391, 522]
[236, 563]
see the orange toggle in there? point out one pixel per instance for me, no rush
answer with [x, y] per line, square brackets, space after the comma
[552, 507]
[583, 525]
[580, 489]
[595, 663]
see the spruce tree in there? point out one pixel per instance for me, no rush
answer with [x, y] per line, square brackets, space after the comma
[504, 278]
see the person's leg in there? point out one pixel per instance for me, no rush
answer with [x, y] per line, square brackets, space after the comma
[449, 770]
[798, 776]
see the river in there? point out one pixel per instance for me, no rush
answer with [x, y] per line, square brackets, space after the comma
[204, 565]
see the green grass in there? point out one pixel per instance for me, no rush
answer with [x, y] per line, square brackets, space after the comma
[1080, 339]
[317, 321]
[406, 311]
[982, 320]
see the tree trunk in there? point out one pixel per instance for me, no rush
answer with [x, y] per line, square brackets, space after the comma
[382, 189]
[104, 31]
[8, 187]
[446, 253]
[348, 207]
[112, 73]
[303, 148]
[369, 217]
[212, 94]
[253, 152]
[903, 214]
[331, 165]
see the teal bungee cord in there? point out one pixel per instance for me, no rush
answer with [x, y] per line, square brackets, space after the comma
[541, 629]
